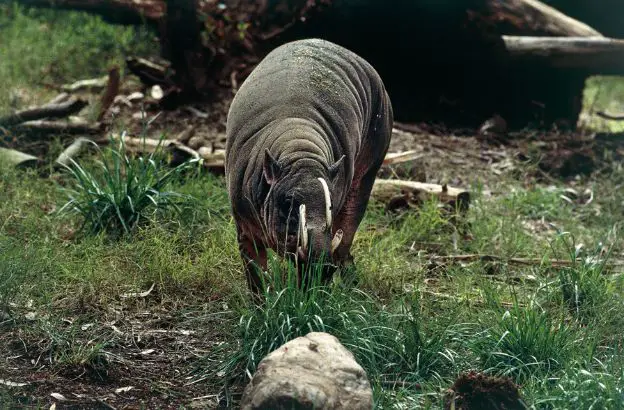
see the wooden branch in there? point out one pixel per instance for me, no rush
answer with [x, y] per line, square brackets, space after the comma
[59, 127]
[59, 110]
[91, 85]
[113, 11]
[112, 89]
[399, 194]
[537, 17]
[16, 159]
[600, 55]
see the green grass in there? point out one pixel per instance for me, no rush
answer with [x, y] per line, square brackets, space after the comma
[118, 195]
[48, 47]
[67, 313]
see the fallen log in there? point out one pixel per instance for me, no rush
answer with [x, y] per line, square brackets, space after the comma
[599, 55]
[16, 159]
[57, 110]
[532, 17]
[411, 194]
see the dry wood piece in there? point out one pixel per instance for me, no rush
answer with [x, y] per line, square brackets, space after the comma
[401, 157]
[90, 85]
[16, 159]
[601, 55]
[72, 151]
[62, 97]
[59, 127]
[537, 17]
[112, 89]
[58, 110]
[398, 193]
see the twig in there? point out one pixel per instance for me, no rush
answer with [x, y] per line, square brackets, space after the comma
[607, 116]
[518, 261]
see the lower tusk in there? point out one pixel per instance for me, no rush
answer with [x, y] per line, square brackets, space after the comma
[303, 227]
[336, 240]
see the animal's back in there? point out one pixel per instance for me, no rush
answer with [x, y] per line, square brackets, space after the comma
[329, 87]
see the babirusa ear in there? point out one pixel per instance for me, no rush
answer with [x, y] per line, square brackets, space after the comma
[270, 168]
[335, 168]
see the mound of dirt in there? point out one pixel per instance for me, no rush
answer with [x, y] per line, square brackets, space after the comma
[474, 391]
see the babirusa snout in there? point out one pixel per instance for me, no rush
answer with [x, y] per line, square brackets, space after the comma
[328, 210]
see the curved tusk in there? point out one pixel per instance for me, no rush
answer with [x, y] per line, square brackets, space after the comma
[328, 210]
[303, 227]
[336, 240]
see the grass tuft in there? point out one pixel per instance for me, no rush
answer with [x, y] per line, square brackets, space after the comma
[389, 342]
[124, 191]
[525, 341]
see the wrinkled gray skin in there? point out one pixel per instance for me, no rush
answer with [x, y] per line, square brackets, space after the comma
[311, 109]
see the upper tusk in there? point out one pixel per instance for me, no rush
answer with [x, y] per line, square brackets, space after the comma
[336, 240]
[303, 227]
[328, 210]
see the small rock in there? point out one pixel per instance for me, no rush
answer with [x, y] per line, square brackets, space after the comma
[157, 92]
[311, 372]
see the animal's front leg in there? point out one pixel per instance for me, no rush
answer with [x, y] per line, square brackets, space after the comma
[254, 255]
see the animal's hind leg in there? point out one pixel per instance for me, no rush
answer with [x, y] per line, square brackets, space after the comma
[374, 150]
